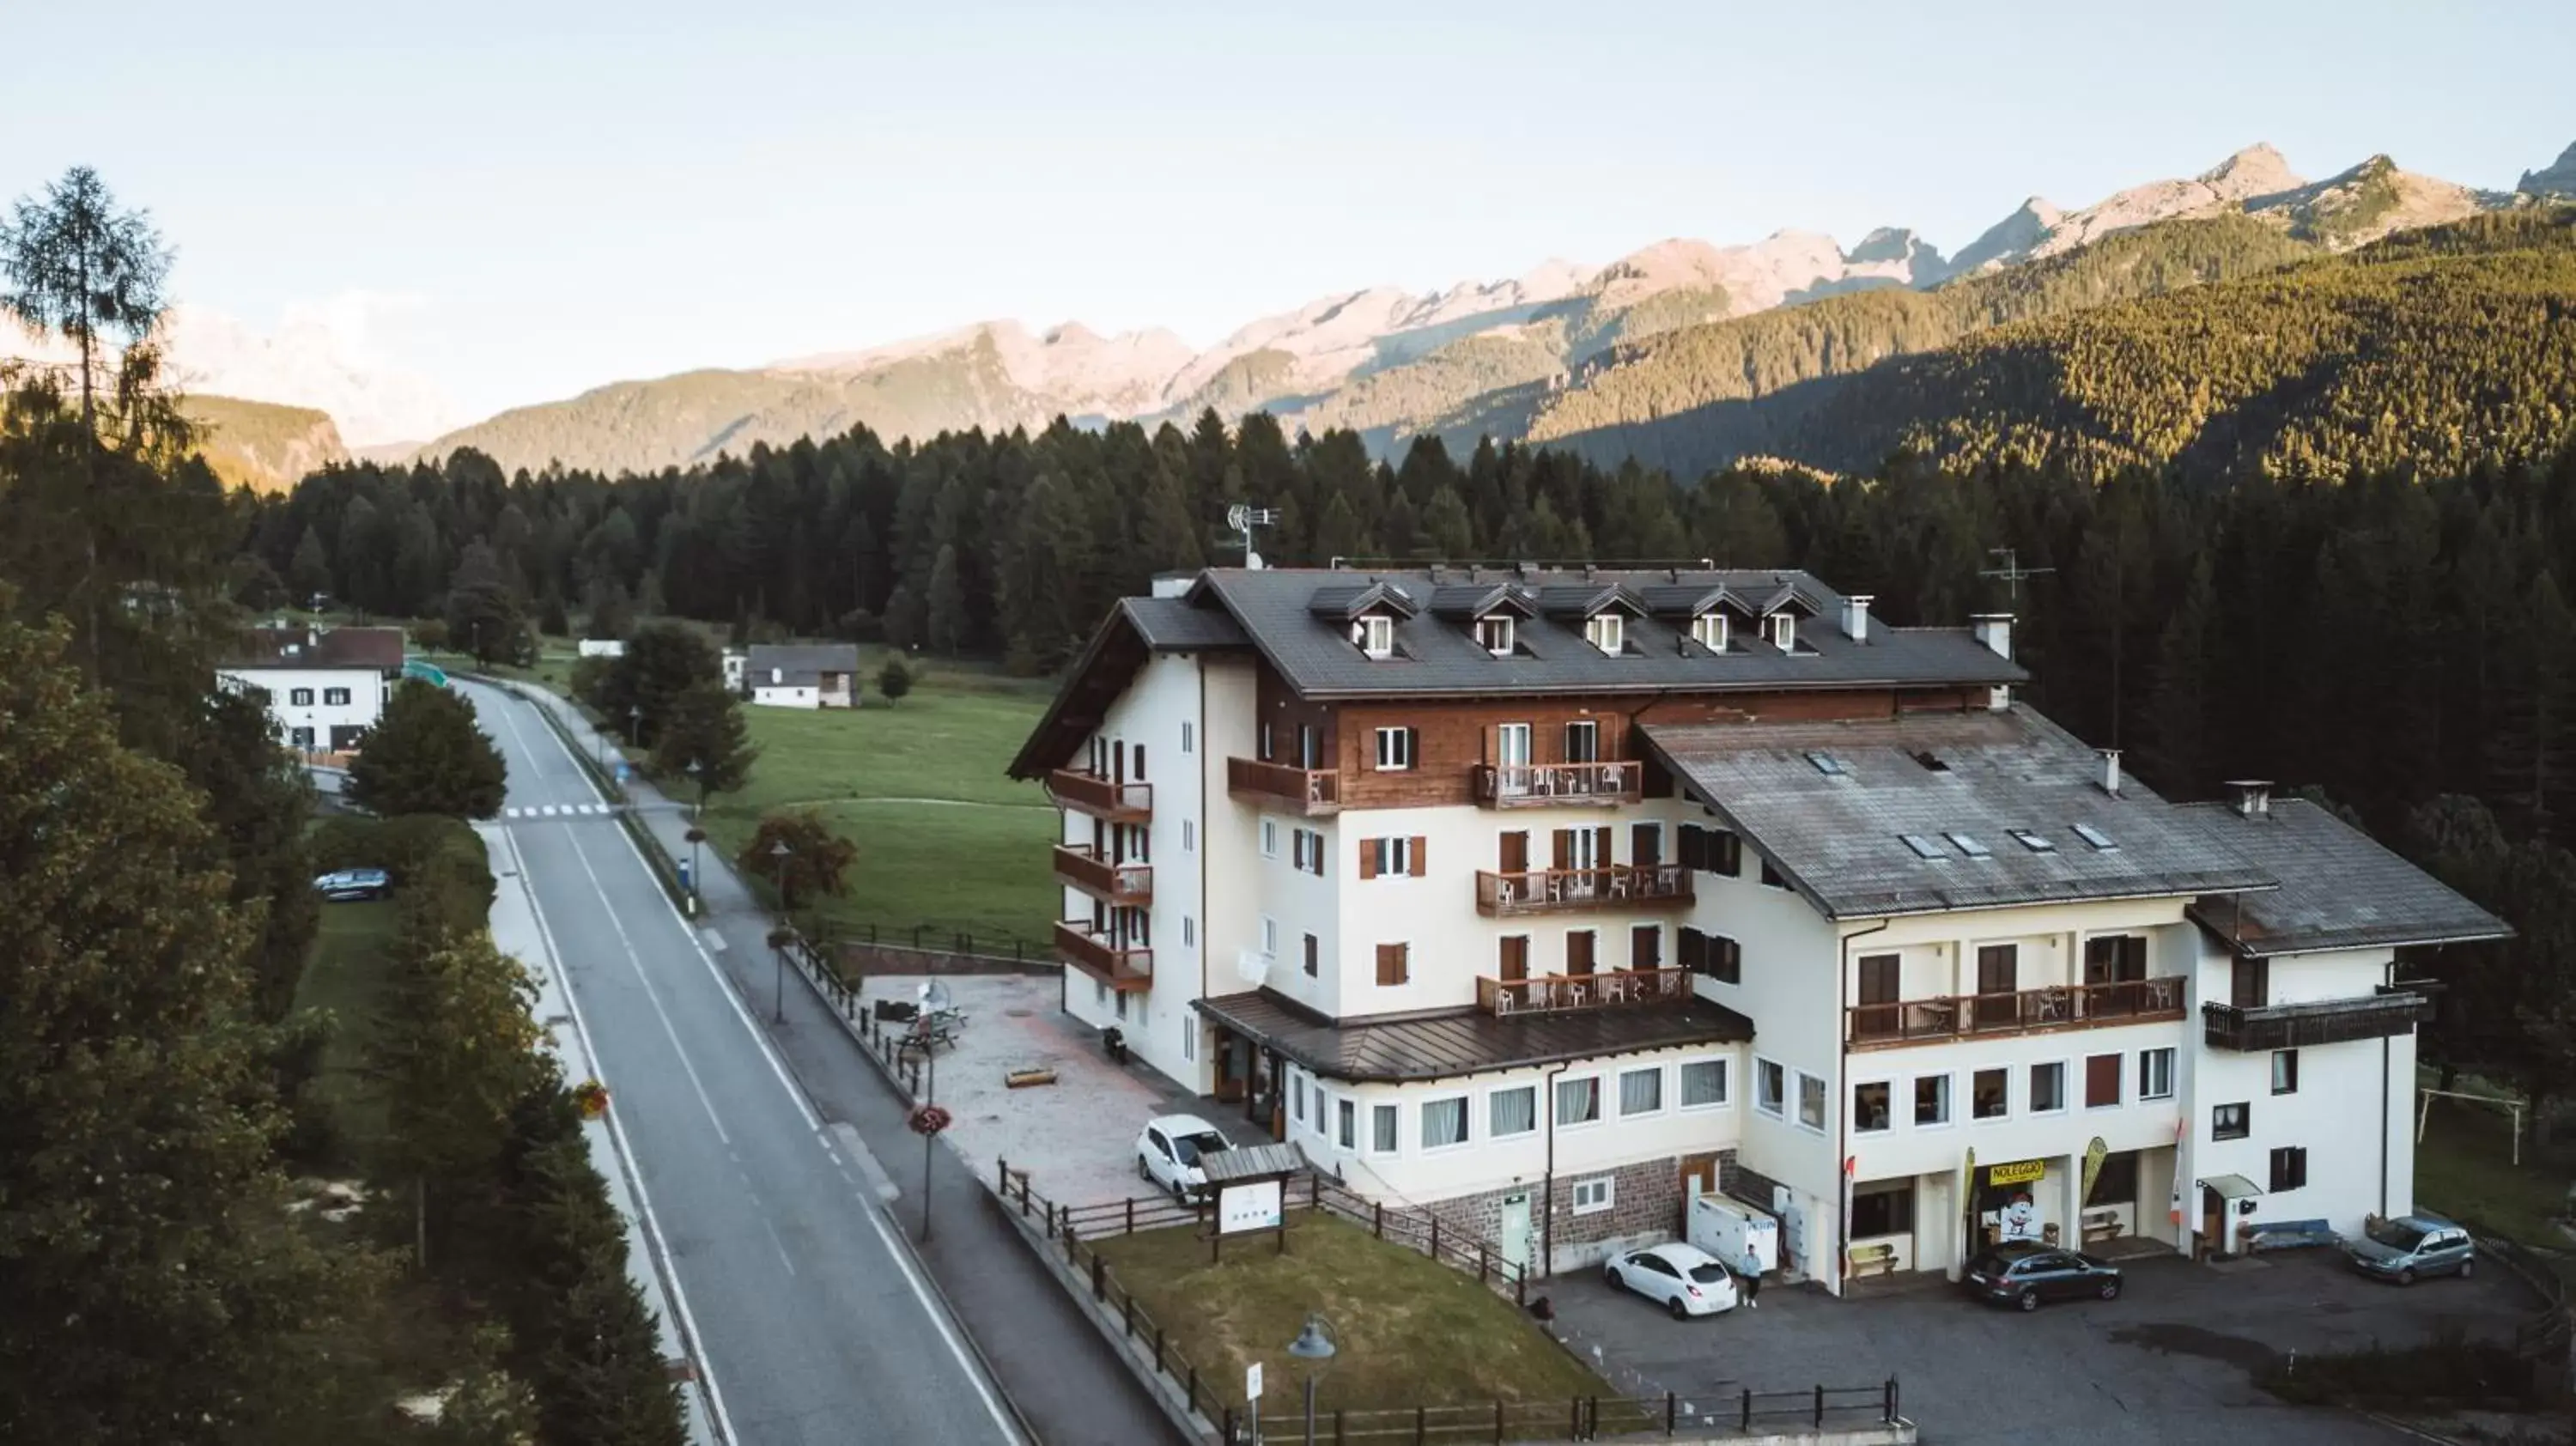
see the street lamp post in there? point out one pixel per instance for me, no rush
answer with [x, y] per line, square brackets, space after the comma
[634, 722]
[1314, 1345]
[779, 851]
[934, 1000]
[697, 896]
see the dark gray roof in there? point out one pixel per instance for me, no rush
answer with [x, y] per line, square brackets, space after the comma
[804, 664]
[1347, 600]
[2339, 889]
[1452, 1043]
[1840, 837]
[1252, 1162]
[1468, 601]
[1168, 624]
[1437, 656]
[1580, 600]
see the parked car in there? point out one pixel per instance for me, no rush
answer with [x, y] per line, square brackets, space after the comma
[2413, 1246]
[1686, 1279]
[349, 884]
[1168, 1150]
[2025, 1278]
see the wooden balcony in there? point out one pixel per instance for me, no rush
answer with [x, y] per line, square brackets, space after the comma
[1546, 785]
[1555, 891]
[1306, 792]
[1609, 989]
[2024, 1011]
[2323, 1021]
[1125, 970]
[1101, 797]
[1081, 867]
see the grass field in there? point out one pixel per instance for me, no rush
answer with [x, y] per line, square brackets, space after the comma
[2464, 1169]
[1411, 1330]
[345, 976]
[945, 840]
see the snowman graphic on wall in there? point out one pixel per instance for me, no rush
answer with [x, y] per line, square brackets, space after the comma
[2020, 1218]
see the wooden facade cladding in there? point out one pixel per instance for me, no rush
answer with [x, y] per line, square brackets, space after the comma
[1305, 792]
[1084, 868]
[1104, 798]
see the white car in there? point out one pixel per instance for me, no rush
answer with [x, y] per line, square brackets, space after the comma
[1168, 1151]
[1688, 1280]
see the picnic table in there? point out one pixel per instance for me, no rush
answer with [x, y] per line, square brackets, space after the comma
[932, 1028]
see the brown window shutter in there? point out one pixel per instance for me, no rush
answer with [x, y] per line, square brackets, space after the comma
[1368, 858]
[1601, 838]
[1564, 848]
[1515, 956]
[1390, 964]
[1417, 851]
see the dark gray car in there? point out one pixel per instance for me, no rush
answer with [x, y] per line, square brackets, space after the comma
[2413, 1246]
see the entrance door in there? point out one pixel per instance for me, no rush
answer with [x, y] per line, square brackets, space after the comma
[2213, 1221]
[1310, 747]
[1513, 962]
[1646, 845]
[1578, 952]
[1232, 1053]
[1514, 1231]
[1512, 752]
[1514, 857]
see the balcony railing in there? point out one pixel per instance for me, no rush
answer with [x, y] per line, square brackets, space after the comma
[2324, 1021]
[1101, 797]
[1612, 886]
[1307, 792]
[1123, 969]
[2057, 1006]
[1112, 883]
[1610, 989]
[1542, 785]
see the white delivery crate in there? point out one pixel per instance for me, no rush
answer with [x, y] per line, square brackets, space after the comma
[1726, 1228]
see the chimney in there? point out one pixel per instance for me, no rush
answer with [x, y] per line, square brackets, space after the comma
[1995, 631]
[1856, 619]
[2253, 797]
[2110, 770]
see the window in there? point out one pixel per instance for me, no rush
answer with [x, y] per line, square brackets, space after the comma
[2035, 842]
[1772, 878]
[1394, 749]
[2117, 1182]
[1770, 1086]
[1969, 845]
[1382, 1129]
[1189, 835]
[1608, 632]
[1878, 978]
[1710, 629]
[2249, 985]
[1511, 1112]
[1394, 964]
[1494, 635]
[2101, 1081]
[2231, 1122]
[1189, 931]
[1297, 1098]
[1592, 1196]
[2285, 1071]
[1189, 1037]
[1726, 854]
[2155, 1074]
[1714, 955]
[1189, 737]
[2289, 1168]
[1270, 838]
[1882, 1210]
[1262, 744]
[1924, 848]
[1269, 935]
[1782, 628]
[336, 697]
[1641, 1092]
[2115, 959]
[2048, 1087]
[1998, 968]
[1811, 1101]
[1347, 1118]
[1871, 1109]
[1990, 1094]
[1578, 1101]
[1444, 1122]
[1380, 857]
[1703, 1084]
[1583, 743]
[1375, 635]
[301, 737]
[1314, 957]
[300, 697]
[1931, 1100]
[2094, 836]
[1308, 846]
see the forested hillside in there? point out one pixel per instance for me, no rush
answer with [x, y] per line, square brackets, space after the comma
[2427, 351]
[261, 445]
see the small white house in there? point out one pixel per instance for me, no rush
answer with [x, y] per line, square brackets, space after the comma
[821, 675]
[324, 687]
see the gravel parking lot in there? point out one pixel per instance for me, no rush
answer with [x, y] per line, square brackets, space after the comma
[2168, 1363]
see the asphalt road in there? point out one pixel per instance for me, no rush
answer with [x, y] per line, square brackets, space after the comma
[813, 1324]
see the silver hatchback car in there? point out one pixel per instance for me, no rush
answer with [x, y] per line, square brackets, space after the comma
[2413, 1246]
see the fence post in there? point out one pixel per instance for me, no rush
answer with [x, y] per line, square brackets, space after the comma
[1158, 1350]
[1229, 1426]
[1435, 1237]
[1099, 1278]
[1377, 1225]
[1004, 1167]
[1672, 1414]
[1131, 1214]
[1421, 1423]
[1820, 1405]
[1888, 1415]
[1747, 1422]
[1481, 1262]
[1194, 1386]
[1339, 1436]
[1498, 1421]
[1574, 1425]
[1127, 1320]
[1314, 1192]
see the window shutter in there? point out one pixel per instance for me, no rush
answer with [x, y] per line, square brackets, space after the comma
[1730, 854]
[1390, 964]
[1601, 838]
[1692, 951]
[1417, 853]
[1693, 847]
[1564, 848]
[1413, 748]
[1368, 857]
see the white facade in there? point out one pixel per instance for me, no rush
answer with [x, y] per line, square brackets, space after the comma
[317, 709]
[785, 695]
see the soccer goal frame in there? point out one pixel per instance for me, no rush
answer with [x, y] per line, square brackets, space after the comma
[2424, 1112]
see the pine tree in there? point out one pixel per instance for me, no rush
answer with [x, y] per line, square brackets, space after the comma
[454, 1052]
[704, 739]
[2178, 694]
[428, 755]
[483, 615]
[1448, 533]
[662, 661]
[2535, 737]
[946, 608]
[894, 679]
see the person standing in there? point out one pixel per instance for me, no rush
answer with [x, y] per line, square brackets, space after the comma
[1752, 1276]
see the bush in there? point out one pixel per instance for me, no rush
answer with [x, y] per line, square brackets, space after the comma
[428, 755]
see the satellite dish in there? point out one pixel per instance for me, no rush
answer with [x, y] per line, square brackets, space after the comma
[934, 995]
[1252, 561]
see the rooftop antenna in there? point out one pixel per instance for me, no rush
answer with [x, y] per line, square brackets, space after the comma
[1243, 517]
[2012, 572]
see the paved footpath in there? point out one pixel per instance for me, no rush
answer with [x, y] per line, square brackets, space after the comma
[817, 1306]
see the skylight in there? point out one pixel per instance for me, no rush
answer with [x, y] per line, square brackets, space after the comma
[1829, 765]
[1968, 845]
[2035, 842]
[1923, 847]
[2095, 837]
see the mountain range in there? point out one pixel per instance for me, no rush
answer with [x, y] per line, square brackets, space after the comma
[1562, 351]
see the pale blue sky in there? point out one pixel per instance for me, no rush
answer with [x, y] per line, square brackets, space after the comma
[574, 194]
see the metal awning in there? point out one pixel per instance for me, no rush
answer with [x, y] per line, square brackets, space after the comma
[2233, 1187]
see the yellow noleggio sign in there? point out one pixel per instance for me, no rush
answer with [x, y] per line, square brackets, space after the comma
[2019, 1172]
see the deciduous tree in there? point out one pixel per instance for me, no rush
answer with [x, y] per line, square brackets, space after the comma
[705, 739]
[428, 755]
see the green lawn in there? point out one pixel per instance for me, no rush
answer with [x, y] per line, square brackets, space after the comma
[345, 975]
[1411, 1330]
[2464, 1169]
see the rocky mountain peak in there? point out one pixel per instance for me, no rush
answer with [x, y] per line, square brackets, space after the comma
[2257, 170]
[2555, 180]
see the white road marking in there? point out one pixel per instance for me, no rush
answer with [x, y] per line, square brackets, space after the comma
[651, 994]
[930, 1305]
[659, 1246]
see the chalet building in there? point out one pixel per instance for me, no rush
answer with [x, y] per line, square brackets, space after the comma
[799, 675]
[1552, 899]
[325, 688]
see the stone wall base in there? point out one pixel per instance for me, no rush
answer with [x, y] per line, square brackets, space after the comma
[1646, 1205]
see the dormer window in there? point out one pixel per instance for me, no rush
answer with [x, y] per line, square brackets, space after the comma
[1606, 631]
[1494, 635]
[1375, 635]
[1781, 629]
[1710, 629]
